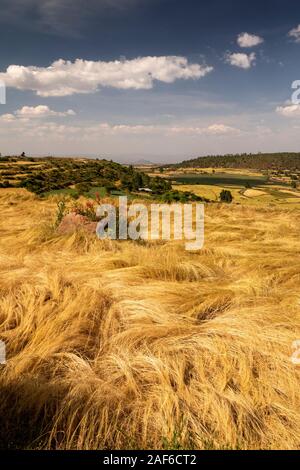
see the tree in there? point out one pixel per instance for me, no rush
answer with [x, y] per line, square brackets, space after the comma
[226, 196]
[126, 183]
[137, 181]
[82, 187]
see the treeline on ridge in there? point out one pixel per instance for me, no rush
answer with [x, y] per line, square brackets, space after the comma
[259, 161]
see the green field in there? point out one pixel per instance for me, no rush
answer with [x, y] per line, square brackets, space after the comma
[73, 192]
[221, 179]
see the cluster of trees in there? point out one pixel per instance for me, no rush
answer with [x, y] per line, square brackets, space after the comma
[259, 161]
[134, 180]
[62, 173]
[181, 196]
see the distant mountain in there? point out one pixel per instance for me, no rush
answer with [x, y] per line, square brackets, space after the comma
[142, 162]
[259, 161]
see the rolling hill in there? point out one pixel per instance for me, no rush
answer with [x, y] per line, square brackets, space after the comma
[259, 161]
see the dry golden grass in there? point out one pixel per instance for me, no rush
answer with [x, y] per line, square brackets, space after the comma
[254, 193]
[126, 345]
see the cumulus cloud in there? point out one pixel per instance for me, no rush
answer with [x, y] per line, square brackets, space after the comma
[64, 78]
[289, 110]
[219, 129]
[33, 113]
[7, 117]
[41, 111]
[295, 33]
[249, 40]
[213, 129]
[241, 60]
[29, 127]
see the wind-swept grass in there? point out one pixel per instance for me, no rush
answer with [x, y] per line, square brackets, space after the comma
[125, 345]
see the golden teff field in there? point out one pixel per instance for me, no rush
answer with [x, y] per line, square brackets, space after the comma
[127, 345]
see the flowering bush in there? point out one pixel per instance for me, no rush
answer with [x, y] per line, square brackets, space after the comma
[86, 210]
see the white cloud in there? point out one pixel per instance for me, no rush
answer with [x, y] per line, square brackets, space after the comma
[7, 118]
[34, 112]
[295, 33]
[213, 129]
[241, 60]
[249, 40]
[92, 131]
[64, 78]
[289, 110]
[41, 111]
[221, 129]
[123, 129]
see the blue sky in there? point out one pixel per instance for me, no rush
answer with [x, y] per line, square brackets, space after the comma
[163, 80]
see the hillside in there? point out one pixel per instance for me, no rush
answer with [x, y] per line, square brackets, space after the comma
[43, 175]
[260, 161]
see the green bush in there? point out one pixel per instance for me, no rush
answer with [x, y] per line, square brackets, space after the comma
[82, 188]
[294, 184]
[226, 196]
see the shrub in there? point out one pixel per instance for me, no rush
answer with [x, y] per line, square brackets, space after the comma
[180, 196]
[86, 210]
[226, 196]
[60, 212]
[82, 188]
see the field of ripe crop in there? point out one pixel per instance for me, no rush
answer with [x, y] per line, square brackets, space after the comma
[264, 196]
[119, 344]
